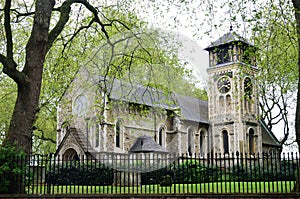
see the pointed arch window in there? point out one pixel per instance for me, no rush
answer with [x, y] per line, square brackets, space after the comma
[119, 134]
[228, 103]
[190, 141]
[248, 92]
[161, 136]
[225, 142]
[201, 142]
[97, 136]
[224, 54]
[221, 103]
[251, 141]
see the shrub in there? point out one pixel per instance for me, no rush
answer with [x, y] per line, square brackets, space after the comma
[76, 173]
[190, 171]
[11, 169]
[193, 171]
[156, 176]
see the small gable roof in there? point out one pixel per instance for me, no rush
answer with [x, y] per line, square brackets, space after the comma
[268, 137]
[228, 38]
[145, 144]
[80, 139]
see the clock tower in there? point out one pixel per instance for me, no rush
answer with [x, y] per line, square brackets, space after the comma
[233, 99]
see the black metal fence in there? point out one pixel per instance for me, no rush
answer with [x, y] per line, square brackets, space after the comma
[109, 173]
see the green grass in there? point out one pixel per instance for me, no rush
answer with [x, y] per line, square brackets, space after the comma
[215, 187]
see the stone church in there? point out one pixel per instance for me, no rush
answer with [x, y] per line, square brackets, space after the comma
[97, 114]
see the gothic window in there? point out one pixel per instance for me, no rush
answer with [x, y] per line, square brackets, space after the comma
[201, 142]
[80, 105]
[251, 141]
[97, 136]
[225, 142]
[223, 54]
[228, 103]
[119, 134]
[221, 103]
[248, 87]
[248, 91]
[161, 136]
[190, 141]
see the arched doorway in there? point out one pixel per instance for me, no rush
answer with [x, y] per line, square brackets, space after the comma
[70, 154]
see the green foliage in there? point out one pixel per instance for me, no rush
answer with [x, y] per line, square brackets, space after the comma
[11, 169]
[8, 94]
[194, 171]
[270, 171]
[166, 182]
[190, 171]
[77, 173]
[132, 49]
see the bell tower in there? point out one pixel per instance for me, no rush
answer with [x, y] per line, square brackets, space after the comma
[233, 99]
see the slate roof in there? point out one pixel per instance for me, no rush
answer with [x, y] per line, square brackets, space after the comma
[192, 109]
[228, 38]
[145, 144]
[141, 95]
[80, 139]
[268, 137]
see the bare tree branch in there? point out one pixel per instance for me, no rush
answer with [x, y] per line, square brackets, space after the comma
[43, 137]
[8, 32]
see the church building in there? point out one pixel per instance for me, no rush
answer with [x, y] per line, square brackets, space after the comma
[97, 114]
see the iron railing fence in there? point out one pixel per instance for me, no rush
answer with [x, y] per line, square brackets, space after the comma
[110, 173]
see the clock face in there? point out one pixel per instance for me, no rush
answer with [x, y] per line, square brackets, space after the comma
[224, 84]
[80, 105]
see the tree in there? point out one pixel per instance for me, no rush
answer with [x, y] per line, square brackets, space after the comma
[43, 67]
[28, 75]
[296, 4]
[275, 36]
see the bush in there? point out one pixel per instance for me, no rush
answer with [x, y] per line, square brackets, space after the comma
[272, 172]
[11, 170]
[190, 171]
[156, 176]
[193, 171]
[76, 173]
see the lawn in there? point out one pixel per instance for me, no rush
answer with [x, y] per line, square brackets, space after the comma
[215, 187]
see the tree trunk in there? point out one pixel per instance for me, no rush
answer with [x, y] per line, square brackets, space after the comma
[29, 87]
[296, 4]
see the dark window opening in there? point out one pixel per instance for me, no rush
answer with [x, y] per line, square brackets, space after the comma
[223, 55]
[251, 141]
[160, 137]
[201, 142]
[225, 142]
[97, 134]
[190, 144]
[118, 132]
[248, 88]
